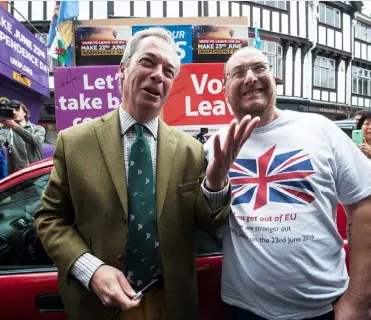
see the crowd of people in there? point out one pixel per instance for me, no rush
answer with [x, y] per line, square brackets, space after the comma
[21, 141]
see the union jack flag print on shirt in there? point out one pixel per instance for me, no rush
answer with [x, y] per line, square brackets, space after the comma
[279, 178]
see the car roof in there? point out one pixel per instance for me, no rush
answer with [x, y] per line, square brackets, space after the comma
[346, 124]
[48, 162]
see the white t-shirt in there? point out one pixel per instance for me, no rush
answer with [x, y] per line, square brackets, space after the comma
[282, 255]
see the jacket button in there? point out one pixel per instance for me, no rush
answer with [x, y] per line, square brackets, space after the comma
[120, 257]
[124, 220]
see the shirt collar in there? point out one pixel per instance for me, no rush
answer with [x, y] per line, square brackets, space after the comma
[127, 121]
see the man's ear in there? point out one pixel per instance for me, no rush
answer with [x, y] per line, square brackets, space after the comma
[121, 69]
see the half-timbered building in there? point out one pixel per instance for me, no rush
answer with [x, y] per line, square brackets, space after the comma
[361, 64]
[320, 51]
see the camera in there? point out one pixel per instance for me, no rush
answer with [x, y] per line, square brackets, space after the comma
[11, 105]
[6, 110]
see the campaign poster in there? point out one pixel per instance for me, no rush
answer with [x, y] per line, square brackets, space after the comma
[196, 103]
[100, 45]
[84, 93]
[182, 35]
[23, 58]
[216, 43]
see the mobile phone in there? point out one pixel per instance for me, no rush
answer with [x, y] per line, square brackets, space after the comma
[357, 136]
[139, 294]
[142, 292]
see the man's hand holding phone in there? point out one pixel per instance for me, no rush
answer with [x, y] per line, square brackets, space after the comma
[136, 298]
[112, 288]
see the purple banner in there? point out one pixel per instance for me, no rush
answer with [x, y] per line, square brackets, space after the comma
[23, 58]
[84, 93]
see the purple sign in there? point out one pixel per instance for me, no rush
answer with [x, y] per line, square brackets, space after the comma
[84, 93]
[23, 58]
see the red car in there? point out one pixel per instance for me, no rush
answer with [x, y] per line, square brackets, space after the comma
[28, 279]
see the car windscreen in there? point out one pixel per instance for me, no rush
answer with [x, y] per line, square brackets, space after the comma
[27, 189]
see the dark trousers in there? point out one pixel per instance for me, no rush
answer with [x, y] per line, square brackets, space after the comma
[235, 313]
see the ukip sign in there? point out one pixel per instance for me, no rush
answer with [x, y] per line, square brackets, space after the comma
[23, 58]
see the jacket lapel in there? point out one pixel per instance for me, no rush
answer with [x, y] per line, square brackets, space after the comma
[166, 148]
[109, 138]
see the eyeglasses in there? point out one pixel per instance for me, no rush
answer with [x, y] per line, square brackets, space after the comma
[240, 72]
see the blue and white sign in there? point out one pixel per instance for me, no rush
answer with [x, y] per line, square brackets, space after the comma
[182, 35]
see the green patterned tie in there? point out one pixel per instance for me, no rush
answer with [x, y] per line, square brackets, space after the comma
[142, 246]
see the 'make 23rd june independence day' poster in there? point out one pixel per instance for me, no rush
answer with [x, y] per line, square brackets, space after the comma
[197, 43]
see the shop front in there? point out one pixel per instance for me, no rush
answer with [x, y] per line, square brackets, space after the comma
[333, 111]
[24, 71]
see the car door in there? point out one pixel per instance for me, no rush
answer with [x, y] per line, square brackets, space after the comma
[28, 279]
[209, 266]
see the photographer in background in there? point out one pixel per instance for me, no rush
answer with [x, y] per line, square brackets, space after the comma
[22, 139]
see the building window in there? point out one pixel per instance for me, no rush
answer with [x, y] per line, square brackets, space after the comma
[363, 32]
[52, 62]
[273, 51]
[276, 4]
[324, 73]
[329, 15]
[361, 81]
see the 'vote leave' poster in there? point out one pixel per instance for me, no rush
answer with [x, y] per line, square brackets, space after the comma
[196, 100]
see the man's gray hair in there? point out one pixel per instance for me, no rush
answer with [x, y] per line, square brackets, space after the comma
[133, 43]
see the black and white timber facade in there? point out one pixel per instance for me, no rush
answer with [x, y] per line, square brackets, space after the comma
[320, 50]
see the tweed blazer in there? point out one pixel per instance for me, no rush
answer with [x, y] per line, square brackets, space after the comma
[85, 209]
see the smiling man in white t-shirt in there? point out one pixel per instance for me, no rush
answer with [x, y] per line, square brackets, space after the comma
[283, 257]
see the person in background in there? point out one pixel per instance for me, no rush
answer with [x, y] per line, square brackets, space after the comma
[3, 165]
[22, 139]
[283, 257]
[364, 124]
[358, 115]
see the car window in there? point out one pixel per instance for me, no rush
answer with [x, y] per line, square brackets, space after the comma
[348, 132]
[20, 246]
